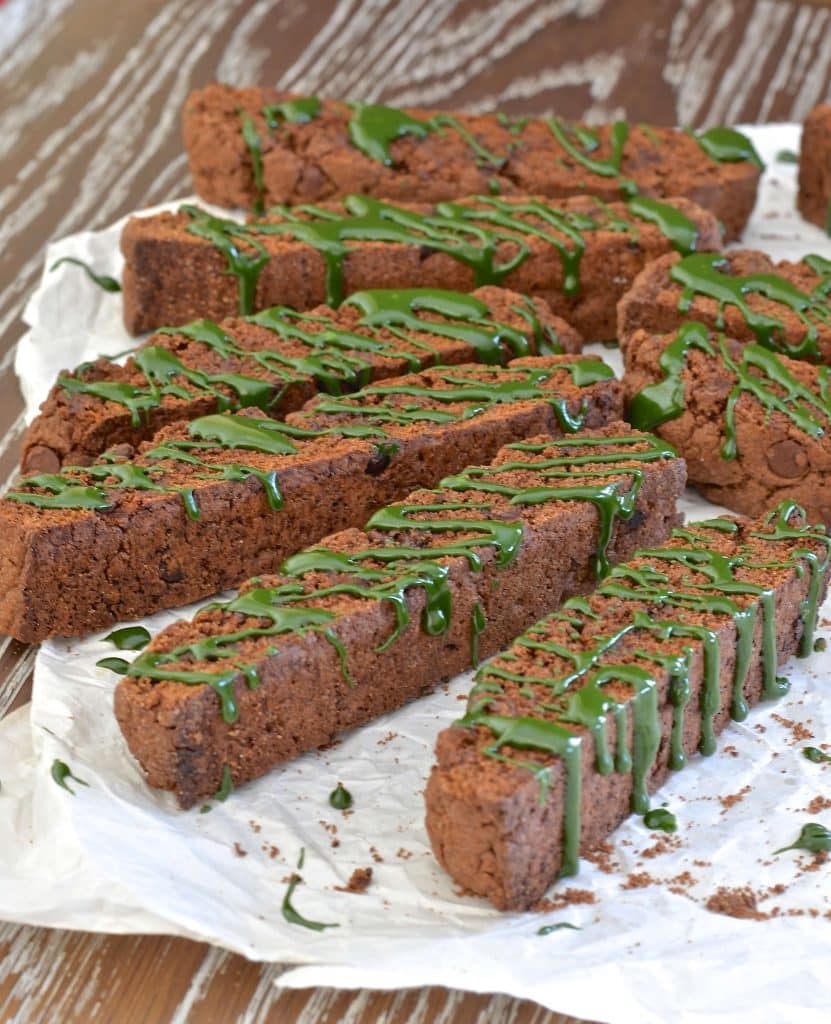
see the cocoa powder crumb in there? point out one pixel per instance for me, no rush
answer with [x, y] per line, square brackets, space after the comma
[798, 731]
[255, 826]
[740, 902]
[733, 798]
[818, 804]
[566, 898]
[639, 880]
[359, 881]
[376, 856]
[240, 851]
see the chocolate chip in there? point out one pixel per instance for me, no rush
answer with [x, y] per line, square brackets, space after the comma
[787, 459]
[377, 463]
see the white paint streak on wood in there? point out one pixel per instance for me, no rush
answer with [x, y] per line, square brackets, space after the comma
[212, 963]
[697, 44]
[784, 69]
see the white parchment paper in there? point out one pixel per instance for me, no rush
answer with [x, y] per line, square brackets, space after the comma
[119, 856]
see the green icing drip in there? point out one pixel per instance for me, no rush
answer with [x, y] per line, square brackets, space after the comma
[290, 914]
[705, 274]
[253, 143]
[813, 837]
[580, 141]
[816, 755]
[727, 146]
[579, 694]
[61, 772]
[373, 127]
[297, 111]
[129, 638]
[669, 220]
[109, 284]
[340, 798]
[225, 235]
[117, 665]
[662, 819]
[478, 622]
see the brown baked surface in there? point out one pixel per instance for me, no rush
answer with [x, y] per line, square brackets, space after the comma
[74, 427]
[315, 160]
[501, 827]
[753, 426]
[654, 303]
[172, 275]
[302, 696]
[68, 571]
[814, 196]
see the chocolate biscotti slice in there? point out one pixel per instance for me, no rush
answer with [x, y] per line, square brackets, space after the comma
[254, 147]
[782, 306]
[578, 254]
[571, 730]
[279, 359]
[372, 618]
[754, 426]
[814, 196]
[206, 504]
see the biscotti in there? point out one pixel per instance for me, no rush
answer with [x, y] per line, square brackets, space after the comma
[578, 254]
[372, 618]
[753, 425]
[573, 728]
[814, 196]
[279, 359]
[207, 504]
[782, 306]
[254, 147]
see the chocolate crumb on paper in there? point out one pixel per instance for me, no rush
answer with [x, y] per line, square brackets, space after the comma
[359, 881]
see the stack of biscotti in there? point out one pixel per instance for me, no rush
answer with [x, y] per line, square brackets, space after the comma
[586, 714]
[279, 359]
[372, 618]
[255, 147]
[814, 197]
[579, 254]
[720, 353]
[207, 503]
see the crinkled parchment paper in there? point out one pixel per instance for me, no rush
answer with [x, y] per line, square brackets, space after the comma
[121, 857]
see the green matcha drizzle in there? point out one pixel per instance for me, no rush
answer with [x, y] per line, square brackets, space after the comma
[469, 233]
[293, 916]
[386, 573]
[61, 773]
[706, 274]
[109, 284]
[813, 837]
[129, 638]
[578, 695]
[340, 798]
[816, 755]
[757, 372]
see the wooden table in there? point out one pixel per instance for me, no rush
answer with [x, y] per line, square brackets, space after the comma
[89, 130]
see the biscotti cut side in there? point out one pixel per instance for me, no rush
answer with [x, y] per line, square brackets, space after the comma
[578, 254]
[279, 359]
[254, 147]
[753, 425]
[584, 717]
[814, 196]
[207, 504]
[783, 306]
[372, 618]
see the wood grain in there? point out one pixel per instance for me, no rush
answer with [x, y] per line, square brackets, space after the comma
[91, 92]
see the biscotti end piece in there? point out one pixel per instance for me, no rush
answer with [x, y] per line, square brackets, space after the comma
[814, 196]
[754, 426]
[783, 306]
[257, 147]
[370, 619]
[584, 717]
